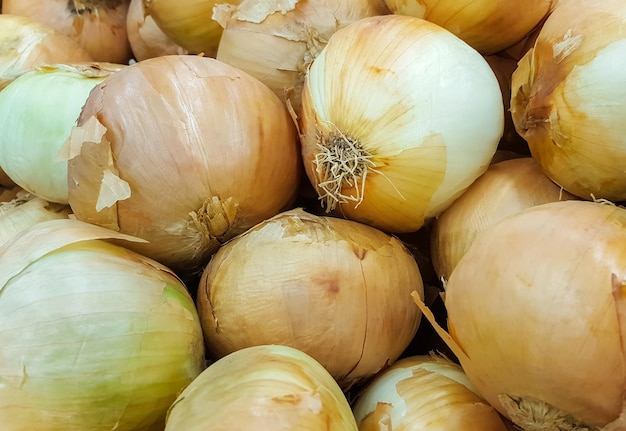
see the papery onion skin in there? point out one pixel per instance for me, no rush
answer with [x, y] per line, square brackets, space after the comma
[415, 113]
[185, 152]
[337, 289]
[267, 387]
[93, 336]
[424, 393]
[547, 286]
[506, 188]
[568, 97]
[488, 26]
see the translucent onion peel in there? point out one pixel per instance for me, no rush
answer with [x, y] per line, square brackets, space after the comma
[93, 336]
[267, 387]
[336, 289]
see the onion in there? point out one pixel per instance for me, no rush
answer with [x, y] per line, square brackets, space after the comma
[424, 393]
[25, 44]
[185, 152]
[487, 25]
[37, 112]
[506, 188]
[146, 39]
[97, 25]
[568, 98]
[536, 316]
[336, 289]
[94, 336]
[276, 41]
[271, 387]
[399, 117]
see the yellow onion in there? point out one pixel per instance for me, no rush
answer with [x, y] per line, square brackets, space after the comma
[424, 393]
[185, 152]
[399, 117]
[189, 23]
[25, 44]
[568, 98]
[146, 39]
[276, 41]
[267, 387]
[99, 26]
[94, 337]
[37, 112]
[506, 188]
[536, 315]
[336, 289]
[487, 25]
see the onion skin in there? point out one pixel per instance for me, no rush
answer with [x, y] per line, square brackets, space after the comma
[336, 289]
[218, 154]
[567, 98]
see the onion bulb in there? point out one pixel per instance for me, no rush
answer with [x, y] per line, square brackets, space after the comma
[536, 313]
[99, 26]
[276, 41]
[568, 98]
[424, 393]
[94, 337]
[185, 152]
[25, 44]
[506, 188]
[37, 112]
[399, 117]
[488, 26]
[336, 289]
[146, 39]
[266, 387]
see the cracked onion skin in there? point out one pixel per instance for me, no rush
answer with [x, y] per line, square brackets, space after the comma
[336, 289]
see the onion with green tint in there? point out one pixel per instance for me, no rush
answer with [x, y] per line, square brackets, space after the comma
[92, 336]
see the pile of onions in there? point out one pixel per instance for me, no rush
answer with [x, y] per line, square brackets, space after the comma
[568, 98]
[93, 336]
[185, 152]
[267, 387]
[536, 315]
[506, 188]
[336, 289]
[276, 41]
[37, 112]
[399, 117]
[488, 26]
[99, 26]
[424, 393]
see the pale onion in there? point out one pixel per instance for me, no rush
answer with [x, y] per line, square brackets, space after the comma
[99, 26]
[399, 117]
[146, 39]
[277, 40]
[267, 387]
[424, 393]
[506, 188]
[536, 313]
[189, 23]
[37, 112]
[336, 289]
[487, 25]
[25, 44]
[24, 211]
[183, 151]
[568, 98]
[94, 337]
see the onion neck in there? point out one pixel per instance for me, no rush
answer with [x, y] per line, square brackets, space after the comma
[79, 7]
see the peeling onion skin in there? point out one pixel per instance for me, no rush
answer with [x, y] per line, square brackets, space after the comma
[568, 97]
[185, 152]
[537, 315]
[337, 289]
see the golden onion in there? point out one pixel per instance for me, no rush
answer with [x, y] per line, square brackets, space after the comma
[336, 289]
[399, 117]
